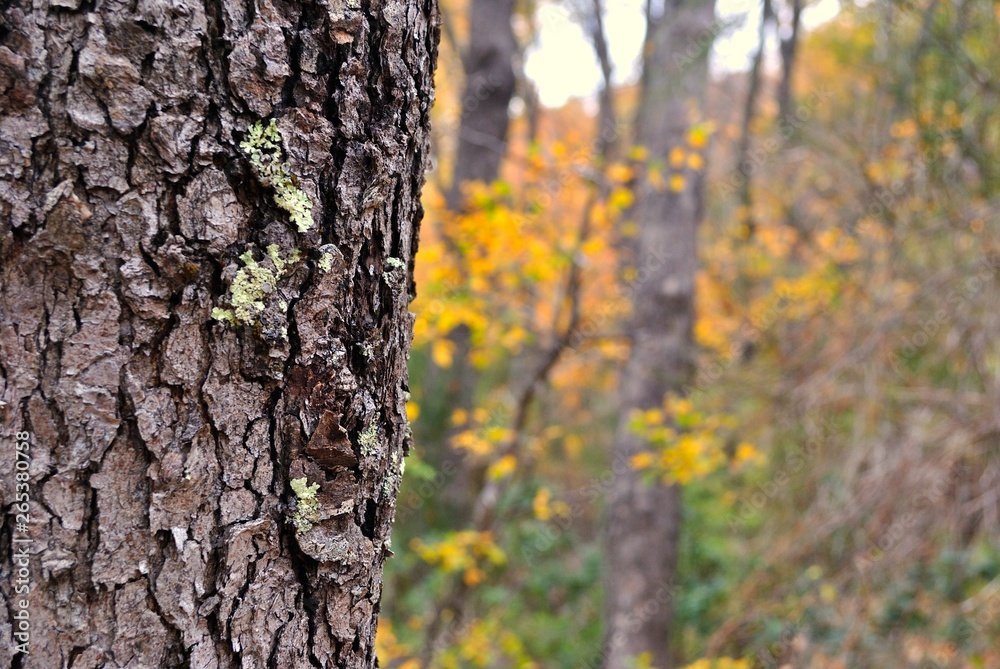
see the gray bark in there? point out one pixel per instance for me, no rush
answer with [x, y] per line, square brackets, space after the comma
[789, 49]
[490, 82]
[489, 86]
[163, 442]
[749, 113]
[607, 119]
[643, 519]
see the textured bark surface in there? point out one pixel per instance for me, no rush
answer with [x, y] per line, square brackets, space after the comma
[644, 519]
[163, 441]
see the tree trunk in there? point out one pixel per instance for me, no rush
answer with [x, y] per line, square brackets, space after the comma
[489, 86]
[204, 324]
[789, 49]
[607, 119]
[490, 82]
[643, 518]
[749, 113]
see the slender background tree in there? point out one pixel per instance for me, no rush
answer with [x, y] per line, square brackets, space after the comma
[643, 517]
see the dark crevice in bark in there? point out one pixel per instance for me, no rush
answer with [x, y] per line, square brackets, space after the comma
[174, 633]
[303, 574]
[375, 50]
[272, 660]
[309, 14]
[150, 260]
[368, 526]
[72, 76]
[214, 52]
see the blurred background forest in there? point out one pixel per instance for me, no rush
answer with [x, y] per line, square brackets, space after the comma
[830, 428]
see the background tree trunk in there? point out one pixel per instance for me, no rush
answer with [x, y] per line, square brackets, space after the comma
[789, 49]
[607, 119]
[490, 82]
[643, 518]
[163, 442]
[489, 86]
[749, 114]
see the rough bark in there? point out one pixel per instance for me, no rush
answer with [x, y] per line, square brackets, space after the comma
[643, 519]
[163, 441]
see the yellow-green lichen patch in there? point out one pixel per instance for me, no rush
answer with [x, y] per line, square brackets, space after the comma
[307, 506]
[252, 284]
[395, 475]
[224, 315]
[263, 148]
[369, 439]
[274, 253]
[326, 262]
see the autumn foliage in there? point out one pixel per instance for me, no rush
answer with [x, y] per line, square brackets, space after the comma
[838, 449]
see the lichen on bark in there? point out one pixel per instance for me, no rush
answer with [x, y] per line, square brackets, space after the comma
[264, 150]
[307, 508]
[254, 287]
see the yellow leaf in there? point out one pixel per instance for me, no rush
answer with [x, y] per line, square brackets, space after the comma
[473, 576]
[828, 593]
[442, 352]
[698, 136]
[680, 406]
[620, 199]
[642, 460]
[696, 162]
[638, 153]
[653, 416]
[541, 504]
[677, 183]
[620, 173]
[747, 453]
[573, 443]
[503, 467]
[676, 156]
